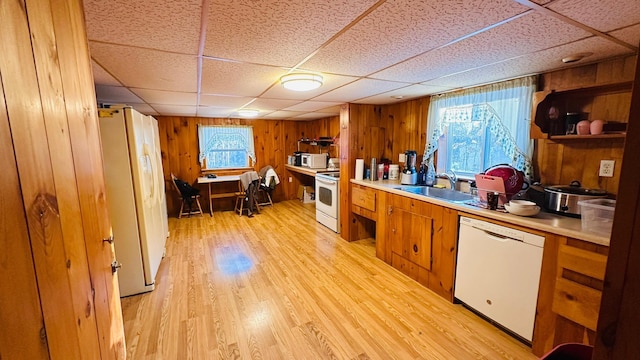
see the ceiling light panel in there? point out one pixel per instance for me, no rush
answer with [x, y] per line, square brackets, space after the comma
[149, 69]
[156, 24]
[525, 35]
[330, 82]
[404, 28]
[275, 32]
[238, 79]
[601, 15]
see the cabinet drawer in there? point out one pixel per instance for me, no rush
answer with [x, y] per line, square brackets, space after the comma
[364, 199]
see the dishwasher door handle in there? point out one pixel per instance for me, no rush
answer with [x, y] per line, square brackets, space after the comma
[498, 237]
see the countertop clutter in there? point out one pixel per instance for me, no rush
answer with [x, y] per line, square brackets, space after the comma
[552, 223]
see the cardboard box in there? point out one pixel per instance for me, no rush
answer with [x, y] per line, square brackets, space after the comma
[306, 194]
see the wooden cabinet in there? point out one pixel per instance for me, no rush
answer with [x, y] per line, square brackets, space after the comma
[570, 293]
[422, 242]
[411, 231]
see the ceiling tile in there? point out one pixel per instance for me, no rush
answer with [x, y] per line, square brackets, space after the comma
[238, 79]
[541, 61]
[272, 104]
[149, 69]
[212, 111]
[314, 115]
[101, 76]
[314, 106]
[600, 15]
[175, 110]
[359, 89]
[232, 102]
[630, 35]
[276, 32]
[165, 97]
[155, 24]
[282, 114]
[409, 92]
[527, 34]
[404, 28]
[144, 109]
[116, 95]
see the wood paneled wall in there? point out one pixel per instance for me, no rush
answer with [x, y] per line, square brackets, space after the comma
[274, 141]
[380, 132]
[58, 296]
[562, 161]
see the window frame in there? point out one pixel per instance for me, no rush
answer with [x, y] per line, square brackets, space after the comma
[249, 149]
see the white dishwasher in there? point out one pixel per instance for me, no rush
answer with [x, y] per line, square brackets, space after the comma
[498, 272]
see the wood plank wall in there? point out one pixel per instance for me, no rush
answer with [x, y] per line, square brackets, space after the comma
[274, 141]
[64, 302]
[380, 132]
[560, 162]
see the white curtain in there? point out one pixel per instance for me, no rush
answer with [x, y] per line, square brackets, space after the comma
[213, 137]
[509, 102]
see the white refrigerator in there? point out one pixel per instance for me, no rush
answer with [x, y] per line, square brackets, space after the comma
[135, 195]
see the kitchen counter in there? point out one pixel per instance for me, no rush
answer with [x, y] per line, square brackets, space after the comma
[548, 222]
[306, 170]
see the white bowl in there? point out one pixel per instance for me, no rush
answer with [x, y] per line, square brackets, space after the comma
[522, 211]
[522, 204]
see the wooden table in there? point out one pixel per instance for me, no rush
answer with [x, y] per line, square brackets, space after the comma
[219, 179]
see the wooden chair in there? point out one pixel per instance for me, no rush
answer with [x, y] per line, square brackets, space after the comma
[264, 194]
[245, 197]
[187, 200]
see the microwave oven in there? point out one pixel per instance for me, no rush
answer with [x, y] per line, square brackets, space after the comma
[314, 161]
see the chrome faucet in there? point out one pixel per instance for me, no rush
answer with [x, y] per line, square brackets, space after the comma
[452, 178]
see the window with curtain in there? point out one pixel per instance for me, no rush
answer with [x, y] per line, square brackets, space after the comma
[477, 128]
[226, 147]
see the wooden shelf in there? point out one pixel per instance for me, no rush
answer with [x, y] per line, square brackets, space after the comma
[588, 137]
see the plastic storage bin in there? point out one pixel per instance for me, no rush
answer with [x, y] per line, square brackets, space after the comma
[597, 215]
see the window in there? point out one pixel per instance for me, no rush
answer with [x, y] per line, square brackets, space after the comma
[475, 129]
[225, 147]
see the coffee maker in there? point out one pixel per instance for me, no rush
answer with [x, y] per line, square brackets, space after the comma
[409, 175]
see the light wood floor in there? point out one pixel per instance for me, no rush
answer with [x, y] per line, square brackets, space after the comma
[282, 286]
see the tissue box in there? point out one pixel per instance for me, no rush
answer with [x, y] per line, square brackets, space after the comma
[597, 215]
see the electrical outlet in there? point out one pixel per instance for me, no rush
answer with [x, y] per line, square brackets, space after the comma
[290, 179]
[401, 158]
[606, 168]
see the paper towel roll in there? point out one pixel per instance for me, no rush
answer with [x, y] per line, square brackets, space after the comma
[359, 169]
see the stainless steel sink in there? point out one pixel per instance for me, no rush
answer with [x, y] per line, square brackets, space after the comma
[444, 194]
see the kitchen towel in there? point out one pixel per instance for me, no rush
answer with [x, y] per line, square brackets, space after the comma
[359, 169]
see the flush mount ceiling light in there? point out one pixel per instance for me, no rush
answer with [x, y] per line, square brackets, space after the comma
[575, 57]
[248, 112]
[301, 81]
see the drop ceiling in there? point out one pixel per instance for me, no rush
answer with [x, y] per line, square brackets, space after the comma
[210, 58]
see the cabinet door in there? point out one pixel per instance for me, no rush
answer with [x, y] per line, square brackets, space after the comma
[411, 230]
